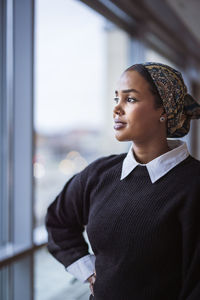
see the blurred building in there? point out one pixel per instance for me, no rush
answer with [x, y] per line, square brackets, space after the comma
[57, 70]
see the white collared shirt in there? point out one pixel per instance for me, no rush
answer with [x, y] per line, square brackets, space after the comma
[158, 167]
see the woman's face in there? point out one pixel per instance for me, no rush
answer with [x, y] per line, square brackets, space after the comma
[135, 107]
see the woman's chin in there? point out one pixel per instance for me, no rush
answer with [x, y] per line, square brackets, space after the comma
[121, 137]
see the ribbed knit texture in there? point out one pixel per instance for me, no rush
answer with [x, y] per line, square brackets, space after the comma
[146, 237]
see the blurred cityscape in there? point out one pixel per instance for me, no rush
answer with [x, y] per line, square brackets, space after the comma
[57, 157]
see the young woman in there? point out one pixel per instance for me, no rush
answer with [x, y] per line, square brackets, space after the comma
[141, 209]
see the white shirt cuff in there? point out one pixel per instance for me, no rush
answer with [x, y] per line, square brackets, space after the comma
[83, 268]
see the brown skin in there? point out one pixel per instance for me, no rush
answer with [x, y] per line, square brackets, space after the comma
[143, 126]
[142, 118]
[91, 280]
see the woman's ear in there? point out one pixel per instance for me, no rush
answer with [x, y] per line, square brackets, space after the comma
[163, 113]
[163, 116]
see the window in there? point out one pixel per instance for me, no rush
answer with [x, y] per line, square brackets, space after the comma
[76, 70]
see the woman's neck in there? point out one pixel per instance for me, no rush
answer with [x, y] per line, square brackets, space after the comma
[145, 152]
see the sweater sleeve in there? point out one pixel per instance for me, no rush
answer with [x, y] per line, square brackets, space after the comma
[65, 220]
[190, 224]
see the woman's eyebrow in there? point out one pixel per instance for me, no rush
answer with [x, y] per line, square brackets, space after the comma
[128, 91]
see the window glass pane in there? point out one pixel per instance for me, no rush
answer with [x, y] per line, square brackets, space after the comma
[77, 65]
[76, 69]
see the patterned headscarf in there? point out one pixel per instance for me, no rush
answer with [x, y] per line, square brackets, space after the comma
[179, 106]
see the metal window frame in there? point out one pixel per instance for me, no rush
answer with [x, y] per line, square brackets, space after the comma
[4, 129]
[17, 127]
[16, 80]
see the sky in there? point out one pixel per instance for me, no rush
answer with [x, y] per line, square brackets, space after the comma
[68, 66]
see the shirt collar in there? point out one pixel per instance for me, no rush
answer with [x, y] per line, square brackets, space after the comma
[160, 165]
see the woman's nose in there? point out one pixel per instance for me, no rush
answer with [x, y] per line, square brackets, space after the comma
[118, 109]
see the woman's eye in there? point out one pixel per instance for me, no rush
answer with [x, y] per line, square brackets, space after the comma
[130, 99]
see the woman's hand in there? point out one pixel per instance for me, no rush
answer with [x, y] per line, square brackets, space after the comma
[91, 280]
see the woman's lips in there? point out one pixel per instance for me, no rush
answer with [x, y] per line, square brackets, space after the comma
[119, 125]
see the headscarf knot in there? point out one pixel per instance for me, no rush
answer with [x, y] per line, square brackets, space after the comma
[179, 106]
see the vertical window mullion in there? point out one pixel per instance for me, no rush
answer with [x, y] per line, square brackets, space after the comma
[23, 127]
[22, 270]
[9, 120]
[16, 127]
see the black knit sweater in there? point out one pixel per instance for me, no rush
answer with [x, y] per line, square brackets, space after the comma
[146, 237]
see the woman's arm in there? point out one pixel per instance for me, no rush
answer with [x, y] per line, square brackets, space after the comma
[65, 220]
[190, 223]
